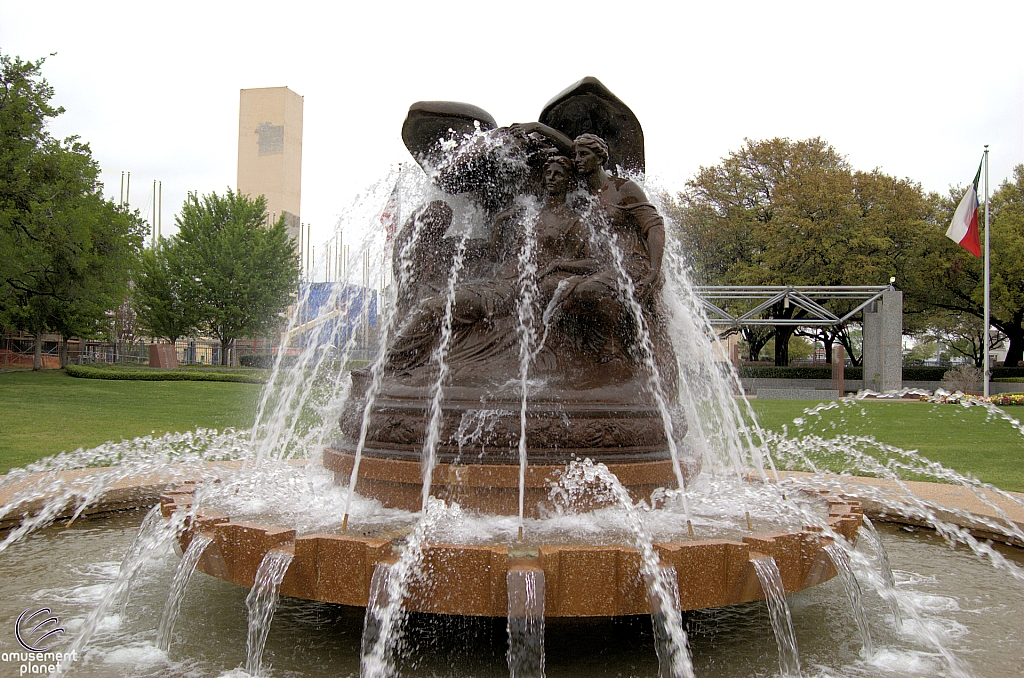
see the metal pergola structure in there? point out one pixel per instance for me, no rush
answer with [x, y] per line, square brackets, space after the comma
[810, 298]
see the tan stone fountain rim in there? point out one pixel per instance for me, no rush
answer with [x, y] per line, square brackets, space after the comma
[897, 507]
[581, 581]
[129, 492]
[144, 490]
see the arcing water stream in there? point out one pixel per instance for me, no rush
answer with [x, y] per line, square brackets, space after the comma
[261, 603]
[182, 576]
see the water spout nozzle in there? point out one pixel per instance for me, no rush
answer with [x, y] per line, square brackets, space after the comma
[750, 524]
[344, 523]
[520, 533]
[689, 528]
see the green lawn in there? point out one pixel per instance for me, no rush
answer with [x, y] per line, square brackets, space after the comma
[46, 412]
[959, 438]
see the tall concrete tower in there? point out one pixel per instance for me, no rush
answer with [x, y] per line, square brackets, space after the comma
[270, 150]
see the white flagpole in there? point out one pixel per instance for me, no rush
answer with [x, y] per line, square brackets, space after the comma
[988, 367]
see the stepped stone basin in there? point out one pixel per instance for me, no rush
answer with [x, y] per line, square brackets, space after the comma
[582, 580]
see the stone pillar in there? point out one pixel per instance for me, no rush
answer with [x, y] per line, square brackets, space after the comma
[838, 368]
[883, 343]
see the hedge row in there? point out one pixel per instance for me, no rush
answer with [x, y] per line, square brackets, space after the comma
[801, 372]
[825, 372]
[197, 367]
[266, 362]
[148, 374]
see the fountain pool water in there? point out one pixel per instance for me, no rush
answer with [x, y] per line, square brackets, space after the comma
[975, 609]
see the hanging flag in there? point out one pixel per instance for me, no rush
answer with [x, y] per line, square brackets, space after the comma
[963, 230]
[389, 217]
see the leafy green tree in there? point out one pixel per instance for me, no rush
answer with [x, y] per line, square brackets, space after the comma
[782, 212]
[64, 250]
[947, 277]
[160, 303]
[237, 272]
[24, 111]
[961, 335]
[925, 349]
[755, 339]
[799, 347]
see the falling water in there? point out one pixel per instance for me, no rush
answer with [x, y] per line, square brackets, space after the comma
[171, 457]
[372, 619]
[154, 534]
[718, 426]
[304, 380]
[655, 387]
[440, 357]
[778, 611]
[841, 560]
[277, 432]
[388, 590]
[581, 477]
[275, 429]
[884, 569]
[858, 454]
[261, 603]
[525, 623]
[664, 611]
[182, 575]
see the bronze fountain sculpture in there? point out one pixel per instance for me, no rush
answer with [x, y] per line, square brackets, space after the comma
[596, 253]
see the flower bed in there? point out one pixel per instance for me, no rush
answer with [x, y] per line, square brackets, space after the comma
[959, 398]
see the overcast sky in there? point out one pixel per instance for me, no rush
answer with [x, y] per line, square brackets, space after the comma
[914, 88]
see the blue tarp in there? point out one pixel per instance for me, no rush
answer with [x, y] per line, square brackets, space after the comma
[325, 298]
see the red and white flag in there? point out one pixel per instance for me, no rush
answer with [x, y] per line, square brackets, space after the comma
[389, 217]
[963, 230]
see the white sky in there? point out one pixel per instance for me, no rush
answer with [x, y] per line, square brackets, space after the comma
[915, 88]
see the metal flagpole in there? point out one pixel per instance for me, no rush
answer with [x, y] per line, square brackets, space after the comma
[988, 366]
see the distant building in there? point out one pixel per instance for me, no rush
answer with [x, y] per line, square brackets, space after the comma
[270, 150]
